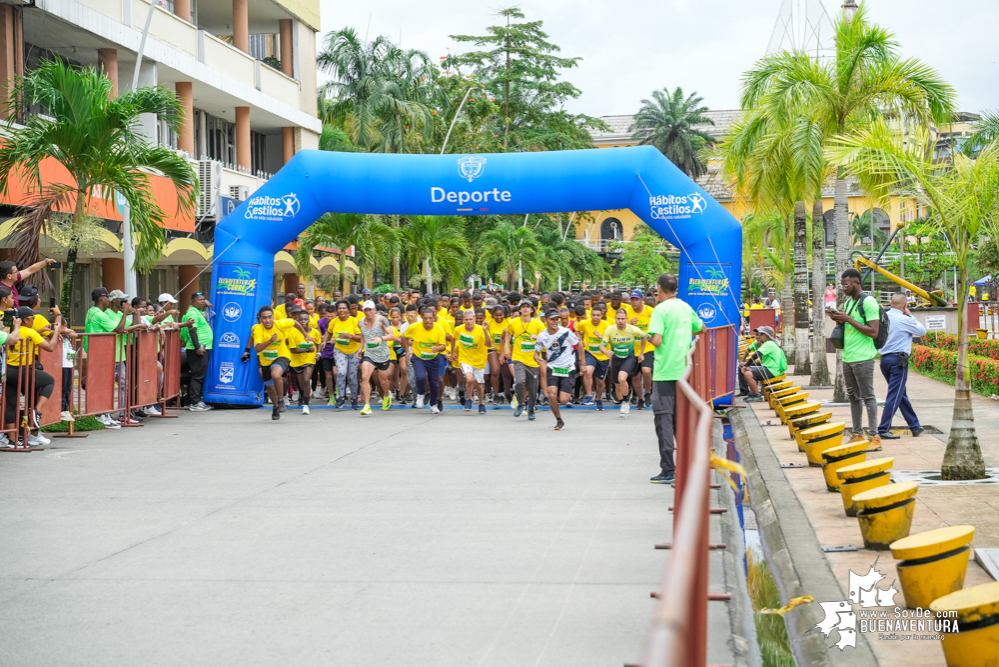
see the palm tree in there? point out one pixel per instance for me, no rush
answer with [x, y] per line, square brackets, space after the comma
[986, 131]
[514, 248]
[374, 242]
[93, 136]
[667, 122]
[435, 244]
[964, 198]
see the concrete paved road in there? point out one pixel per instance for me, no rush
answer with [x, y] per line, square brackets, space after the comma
[400, 539]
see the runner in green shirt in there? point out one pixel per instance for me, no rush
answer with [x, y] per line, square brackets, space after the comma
[671, 328]
[861, 320]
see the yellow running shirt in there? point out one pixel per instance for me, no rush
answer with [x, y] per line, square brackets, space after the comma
[592, 335]
[472, 346]
[22, 349]
[522, 337]
[279, 348]
[643, 323]
[341, 329]
[296, 338]
[622, 342]
[423, 340]
[496, 330]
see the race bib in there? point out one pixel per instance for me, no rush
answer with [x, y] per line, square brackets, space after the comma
[594, 348]
[427, 355]
[497, 339]
[467, 341]
[560, 372]
[341, 339]
[270, 355]
[527, 346]
[372, 346]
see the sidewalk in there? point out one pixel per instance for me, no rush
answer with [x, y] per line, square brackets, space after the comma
[936, 506]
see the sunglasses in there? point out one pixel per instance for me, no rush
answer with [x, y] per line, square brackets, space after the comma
[197, 294]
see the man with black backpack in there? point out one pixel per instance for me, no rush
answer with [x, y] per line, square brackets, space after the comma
[861, 320]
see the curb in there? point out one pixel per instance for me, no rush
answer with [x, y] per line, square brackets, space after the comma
[792, 551]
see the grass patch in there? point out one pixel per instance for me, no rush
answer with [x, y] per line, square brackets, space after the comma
[771, 633]
[81, 424]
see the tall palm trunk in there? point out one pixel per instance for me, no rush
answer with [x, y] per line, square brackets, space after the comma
[841, 221]
[396, 271]
[803, 365]
[430, 280]
[787, 317]
[963, 456]
[820, 368]
[69, 270]
[343, 270]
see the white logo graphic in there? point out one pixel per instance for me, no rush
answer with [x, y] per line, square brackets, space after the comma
[226, 372]
[863, 591]
[667, 207]
[229, 339]
[697, 203]
[273, 208]
[706, 312]
[470, 166]
[231, 312]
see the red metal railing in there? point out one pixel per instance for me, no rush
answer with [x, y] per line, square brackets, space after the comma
[680, 626]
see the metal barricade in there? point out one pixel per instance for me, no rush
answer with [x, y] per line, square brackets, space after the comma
[680, 625]
[18, 398]
[169, 356]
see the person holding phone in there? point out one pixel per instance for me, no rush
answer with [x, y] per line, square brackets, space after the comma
[10, 276]
[24, 354]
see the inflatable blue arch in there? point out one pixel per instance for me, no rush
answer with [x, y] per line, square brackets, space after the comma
[317, 182]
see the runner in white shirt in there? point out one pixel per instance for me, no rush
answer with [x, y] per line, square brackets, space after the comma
[558, 344]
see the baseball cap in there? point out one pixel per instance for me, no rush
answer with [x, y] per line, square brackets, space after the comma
[766, 331]
[552, 314]
[166, 297]
[98, 292]
[367, 304]
[27, 293]
[636, 294]
[365, 291]
[117, 294]
[24, 312]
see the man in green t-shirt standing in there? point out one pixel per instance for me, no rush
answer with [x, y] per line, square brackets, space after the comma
[199, 347]
[861, 320]
[671, 328]
[766, 361]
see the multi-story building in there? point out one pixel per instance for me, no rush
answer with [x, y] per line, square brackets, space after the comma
[245, 73]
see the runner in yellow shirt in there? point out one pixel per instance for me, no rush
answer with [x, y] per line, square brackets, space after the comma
[344, 332]
[302, 347]
[519, 344]
[471, 347]
[268, 339]
[639, 315]
[593, 362]
[424, 343]
[619, 344]
[498, 366]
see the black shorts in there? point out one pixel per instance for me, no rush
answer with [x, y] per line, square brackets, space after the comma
[760, 373]
[649, 360]
[565, 384]
[329, 365]
[600, 366]
[298, 369]
[382, 366]
[627, 365]
[281, 362]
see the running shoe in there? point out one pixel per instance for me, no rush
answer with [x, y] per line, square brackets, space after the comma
[468, 405]
[641, 404]
[366, 410]
[531, 416]
[634, 398]
[514, 403]
[353, 404]
[283, 406]
[662, 479]
[587, 401]
[559, 425]
[36, 418]
[625, 407]
[434, 410]
[482, 409]
[5, 443]
[419, 401]
[387, 402]
[153, 411]
[340, 401]
[66, 417]
[440, 403]
[600, 406]
[305, 409]
[275, 413]
[36, 440]
[519, 410]
[333, 402]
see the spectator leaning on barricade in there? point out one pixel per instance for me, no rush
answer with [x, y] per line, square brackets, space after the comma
[29, 297]
[198, 340]
[100, 319]
[10, 334]
[120, 307]
[25, 352]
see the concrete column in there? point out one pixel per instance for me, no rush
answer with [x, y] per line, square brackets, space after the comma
[243, 155]
[291, 281]
[240, 25]
[113, 271]
[287, 47]
[185, 137]
[182, 9]
[11, 53]
[185, 274]
[287, 144]
[107, 60]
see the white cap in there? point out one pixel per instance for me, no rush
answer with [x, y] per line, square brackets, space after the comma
[368, 304]
[166, 297]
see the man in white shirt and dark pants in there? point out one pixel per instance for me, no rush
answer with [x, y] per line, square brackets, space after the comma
[895, 366]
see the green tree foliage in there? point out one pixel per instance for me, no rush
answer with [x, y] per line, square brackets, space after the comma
[522, 69]
[509, 248]
[374, 242]
[667, 122]
[435, 245]
[94, 137]
[643, 259]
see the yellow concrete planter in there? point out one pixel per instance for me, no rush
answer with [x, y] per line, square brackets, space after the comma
[799, 410]
[976, 643]
[768, 388]
[932, 564]
[982, 333]
[775, 396]
[798, 423]
[885, 513]
[840, 457]
[783, 403]
[818, 439]
[860, 477]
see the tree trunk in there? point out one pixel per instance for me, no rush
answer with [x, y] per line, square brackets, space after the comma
[820, 368]
[787, 318]
[803, 365]
[963, 456]
[68, 276]
[396, 271]
[343, 270]
[841, 222]
[430, 280]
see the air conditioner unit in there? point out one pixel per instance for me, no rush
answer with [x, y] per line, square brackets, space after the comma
[210, 178]
[239, 192]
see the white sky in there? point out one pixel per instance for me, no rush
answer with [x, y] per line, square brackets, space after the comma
[631, 47]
